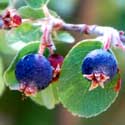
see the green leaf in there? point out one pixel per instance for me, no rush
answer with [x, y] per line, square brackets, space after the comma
[25, 33]
[36, 3]
[64, 37]
[28, 12]
[73, 87]
[2, 86]
[17, 45]
[4, 47]
[3, 4]
[47, 97]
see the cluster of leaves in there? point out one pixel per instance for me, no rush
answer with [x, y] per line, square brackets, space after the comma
[71, 89]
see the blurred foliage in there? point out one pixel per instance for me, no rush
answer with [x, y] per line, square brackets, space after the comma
[2, 86]
[3, 4]
[15, 111]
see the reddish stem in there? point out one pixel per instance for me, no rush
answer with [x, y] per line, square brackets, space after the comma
[46, 40]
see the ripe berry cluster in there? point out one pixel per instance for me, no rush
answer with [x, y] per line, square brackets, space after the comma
[35, 72]
[10, 19]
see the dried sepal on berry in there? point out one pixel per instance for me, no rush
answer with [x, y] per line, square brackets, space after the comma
[97, 79]
[11, 19]
[28, 89]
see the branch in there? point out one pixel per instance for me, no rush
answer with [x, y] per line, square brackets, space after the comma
[46, 39]
[108, 35]
[90, 29]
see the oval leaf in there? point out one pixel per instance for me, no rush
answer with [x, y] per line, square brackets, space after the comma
[47, 97]
[28, 12]
[64, 37]
[73, 87]
[36, 3]
[25, 33]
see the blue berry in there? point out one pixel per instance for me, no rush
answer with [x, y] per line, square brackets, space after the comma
[33, 71]
[98, 66]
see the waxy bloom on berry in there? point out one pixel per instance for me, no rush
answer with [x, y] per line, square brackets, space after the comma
[34, 73]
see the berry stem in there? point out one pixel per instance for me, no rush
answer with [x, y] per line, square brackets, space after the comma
[46, 39]
[47, 27]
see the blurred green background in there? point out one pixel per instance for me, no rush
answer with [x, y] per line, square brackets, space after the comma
[15, 111]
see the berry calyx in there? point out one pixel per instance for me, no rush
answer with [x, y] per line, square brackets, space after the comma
[56, 62]
[28, 89]
[11, 19]
[34, 73]
[99, 66]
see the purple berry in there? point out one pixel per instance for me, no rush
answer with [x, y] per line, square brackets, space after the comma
[98, 66]
[17, 20]
[34, 73]
[56, 62]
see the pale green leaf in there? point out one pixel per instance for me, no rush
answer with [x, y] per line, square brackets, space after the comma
[25, 33]
[64, 37]
[28, 12]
